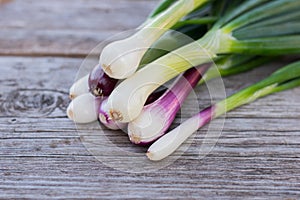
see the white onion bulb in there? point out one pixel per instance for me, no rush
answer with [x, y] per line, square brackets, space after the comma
[84, 109]
[80, 87]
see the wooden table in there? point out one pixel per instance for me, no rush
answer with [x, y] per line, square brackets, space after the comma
[42, 44]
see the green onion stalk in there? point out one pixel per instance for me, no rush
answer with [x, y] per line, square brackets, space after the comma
[285, 78]
[121, 59]
[128, 98]
[235, 64]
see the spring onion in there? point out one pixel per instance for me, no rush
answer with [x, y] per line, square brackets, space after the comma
[79, 87]
[127, 100]
[106, 120]
[283, 79]
[120, 59]
[84, 108]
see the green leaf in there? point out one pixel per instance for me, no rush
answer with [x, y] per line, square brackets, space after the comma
[274, 20]
[281, 45]
[285, 78]
[247, 5]
[265, 11]
[287, 85]
[290, 28]
[195, 21]
[162, 6]
[234, 64]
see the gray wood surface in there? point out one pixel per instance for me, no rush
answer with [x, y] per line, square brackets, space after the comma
[42, 153]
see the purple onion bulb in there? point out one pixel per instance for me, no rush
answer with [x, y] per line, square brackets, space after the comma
[100, 84]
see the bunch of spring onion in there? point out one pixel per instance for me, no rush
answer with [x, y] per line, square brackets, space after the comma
[154, 55]
[254, 27]
[87, 108]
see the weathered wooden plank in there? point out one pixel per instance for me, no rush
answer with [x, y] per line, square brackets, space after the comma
[241, 145]
[81, 14]
[66, 27]
[35, 127]
[41, 154]
[261, 177]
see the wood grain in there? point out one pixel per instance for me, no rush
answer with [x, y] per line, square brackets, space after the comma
[42, 153]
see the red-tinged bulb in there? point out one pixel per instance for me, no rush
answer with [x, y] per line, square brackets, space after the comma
[100, 84]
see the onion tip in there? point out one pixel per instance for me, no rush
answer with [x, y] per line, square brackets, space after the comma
[136, 139]
[149, 155]
[116, 115]
[72, 96]
[97, 92]
[102, 117]
[70, 113]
